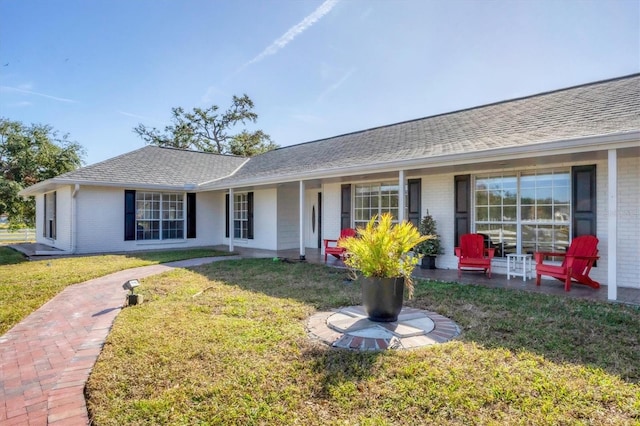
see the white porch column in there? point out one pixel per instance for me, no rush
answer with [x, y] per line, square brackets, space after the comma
[231, 219]
[401, 196]
[612, 236]
[302, 221]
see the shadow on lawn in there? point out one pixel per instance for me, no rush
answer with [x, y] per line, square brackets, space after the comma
[561, 329]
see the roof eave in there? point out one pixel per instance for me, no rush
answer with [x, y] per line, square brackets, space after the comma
[556, 147]
[52, 184]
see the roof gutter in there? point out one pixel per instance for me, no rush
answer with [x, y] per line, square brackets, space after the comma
[54, 182]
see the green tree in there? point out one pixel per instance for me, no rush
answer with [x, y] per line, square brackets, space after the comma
[248, 144]
[209, 130]
[28, 155]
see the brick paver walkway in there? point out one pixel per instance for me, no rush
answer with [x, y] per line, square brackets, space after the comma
[46, 359]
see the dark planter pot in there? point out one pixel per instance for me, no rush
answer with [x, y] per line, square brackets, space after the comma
[428, 262]
[382, 298]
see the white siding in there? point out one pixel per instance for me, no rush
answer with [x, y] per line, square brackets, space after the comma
[288, 218]
[265, 213]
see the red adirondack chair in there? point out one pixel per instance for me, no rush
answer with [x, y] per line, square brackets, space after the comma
[472, 254]
[331, 246]
[578, 260]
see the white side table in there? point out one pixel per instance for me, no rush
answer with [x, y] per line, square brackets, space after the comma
[519, 265]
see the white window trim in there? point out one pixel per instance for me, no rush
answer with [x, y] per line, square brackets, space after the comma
[379, 183]
[244, 201]
[519, 223]
[160, 219]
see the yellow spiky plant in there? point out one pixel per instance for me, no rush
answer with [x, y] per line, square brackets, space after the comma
[382, 249]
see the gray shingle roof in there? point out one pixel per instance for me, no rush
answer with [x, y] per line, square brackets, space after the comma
[595, 109]
[153, 165]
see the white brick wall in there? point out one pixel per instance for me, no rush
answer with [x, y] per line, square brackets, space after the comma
[599, 273]
[438, 198]
[63, 219]
[101, 218]
[40, 220]
[628, 262]
[101, 222]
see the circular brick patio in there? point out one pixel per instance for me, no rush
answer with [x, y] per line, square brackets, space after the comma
[349, 328]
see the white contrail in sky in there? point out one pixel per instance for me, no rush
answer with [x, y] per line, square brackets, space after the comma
[294, 31]
[30, 92]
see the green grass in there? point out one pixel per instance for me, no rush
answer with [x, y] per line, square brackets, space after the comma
[26, 285]
[226, 343]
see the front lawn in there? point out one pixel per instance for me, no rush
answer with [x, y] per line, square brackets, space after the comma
[225, 343]
[26, 285]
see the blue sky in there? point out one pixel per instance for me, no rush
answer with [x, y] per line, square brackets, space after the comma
[315, 69]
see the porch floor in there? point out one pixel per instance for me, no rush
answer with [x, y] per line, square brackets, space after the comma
[497, 280]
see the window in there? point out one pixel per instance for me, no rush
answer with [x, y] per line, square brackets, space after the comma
[375, 199]
[172, 216]
[49, 230]
[524, 212]
[159, 215]
[240, 216]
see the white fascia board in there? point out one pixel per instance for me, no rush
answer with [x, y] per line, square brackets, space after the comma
[52, 184]
[567, 146]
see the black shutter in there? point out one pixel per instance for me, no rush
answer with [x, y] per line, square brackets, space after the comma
[414, 192]
[226, 215]
[462, 209]
[54, 214]
[583, 215]
[319, 219]
[345, 207]
[250, 215]
[129, 215]
[191, 215]
[44, 216]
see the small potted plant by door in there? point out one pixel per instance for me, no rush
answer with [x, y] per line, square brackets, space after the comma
[430, 247]
[381, 254]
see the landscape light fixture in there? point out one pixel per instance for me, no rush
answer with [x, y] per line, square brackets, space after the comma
[132, 299]
[131, 285]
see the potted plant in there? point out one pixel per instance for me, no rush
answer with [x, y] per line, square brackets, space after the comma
[381, 253]
[430, 247]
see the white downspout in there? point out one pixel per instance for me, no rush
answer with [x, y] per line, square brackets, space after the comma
[612, 236]
[231, 219]
[401, 196]
[74, 219]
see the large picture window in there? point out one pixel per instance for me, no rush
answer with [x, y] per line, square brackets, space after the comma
[159, 216]
[524, 212]
[375, 199]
